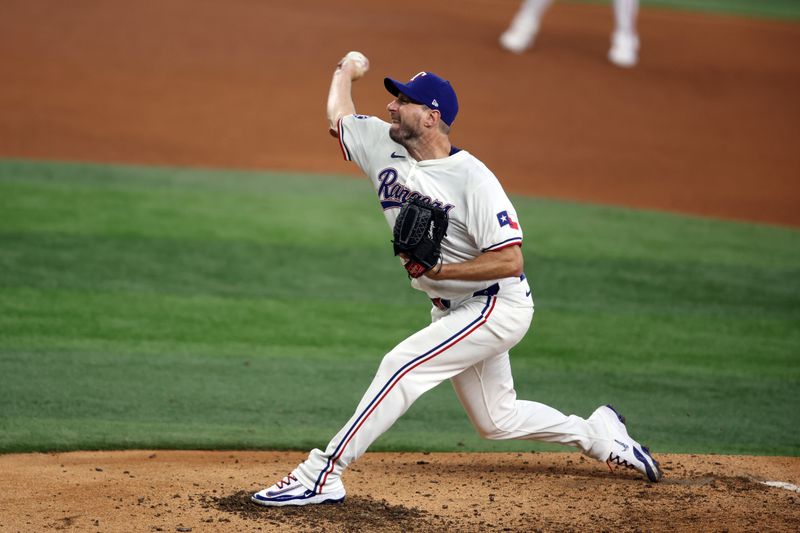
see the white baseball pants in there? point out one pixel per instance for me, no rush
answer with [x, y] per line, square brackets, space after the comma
[467, 344]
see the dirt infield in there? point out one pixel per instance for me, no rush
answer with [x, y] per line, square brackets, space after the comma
[708, 123]
[520, 492]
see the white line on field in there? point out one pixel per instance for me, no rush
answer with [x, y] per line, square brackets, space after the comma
[782, 485]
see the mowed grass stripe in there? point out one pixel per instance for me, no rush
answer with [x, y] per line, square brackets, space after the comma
[157, 307]
[780, 9]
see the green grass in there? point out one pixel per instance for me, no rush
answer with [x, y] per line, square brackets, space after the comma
[780, 9]
[176, 308]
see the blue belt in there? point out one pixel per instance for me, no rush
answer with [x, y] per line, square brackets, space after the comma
[444, 304]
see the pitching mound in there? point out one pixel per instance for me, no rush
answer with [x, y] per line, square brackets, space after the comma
[209, 491]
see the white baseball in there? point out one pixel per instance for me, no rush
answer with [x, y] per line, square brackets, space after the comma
[359, 60]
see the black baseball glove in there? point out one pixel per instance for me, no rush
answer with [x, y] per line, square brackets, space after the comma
[418, 233]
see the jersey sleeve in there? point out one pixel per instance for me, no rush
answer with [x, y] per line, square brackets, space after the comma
[358, 135]
[494, 219]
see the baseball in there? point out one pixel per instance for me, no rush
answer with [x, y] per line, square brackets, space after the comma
[359, 60]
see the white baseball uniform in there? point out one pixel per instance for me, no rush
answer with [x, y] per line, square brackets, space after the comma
[474, 323]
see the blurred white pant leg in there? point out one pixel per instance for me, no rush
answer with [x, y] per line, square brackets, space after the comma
[533, 9]
[524, 26]
[625, 14]
[624, 51]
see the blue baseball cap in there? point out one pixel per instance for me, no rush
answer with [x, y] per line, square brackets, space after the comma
[429, 89]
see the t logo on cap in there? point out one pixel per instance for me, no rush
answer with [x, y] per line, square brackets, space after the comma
[428, 89]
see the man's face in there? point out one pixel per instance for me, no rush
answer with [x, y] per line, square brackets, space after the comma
[407, 118]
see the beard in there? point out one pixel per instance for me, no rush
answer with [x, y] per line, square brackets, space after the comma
[401, 134]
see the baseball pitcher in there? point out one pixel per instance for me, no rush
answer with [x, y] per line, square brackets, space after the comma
[458, 237]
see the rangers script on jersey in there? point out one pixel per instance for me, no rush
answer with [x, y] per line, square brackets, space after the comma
[452, 183]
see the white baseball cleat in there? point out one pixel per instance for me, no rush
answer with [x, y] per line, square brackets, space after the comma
[624, 50]
[520, 35]
[624, 450]
[289, 491]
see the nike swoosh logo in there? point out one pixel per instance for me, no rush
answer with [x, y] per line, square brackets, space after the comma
[624, 446]
[395, 155]
[528, 293]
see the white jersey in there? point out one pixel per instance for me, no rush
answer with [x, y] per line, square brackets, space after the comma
[481, 217]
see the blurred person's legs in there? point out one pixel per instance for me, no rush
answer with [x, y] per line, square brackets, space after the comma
[624, 50]
[520, 34]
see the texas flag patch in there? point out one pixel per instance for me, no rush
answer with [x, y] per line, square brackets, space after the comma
[505, 220]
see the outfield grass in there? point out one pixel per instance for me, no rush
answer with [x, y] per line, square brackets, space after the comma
[175, 308]
[779, 9]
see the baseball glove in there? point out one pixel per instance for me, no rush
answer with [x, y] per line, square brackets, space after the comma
[418, 233]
